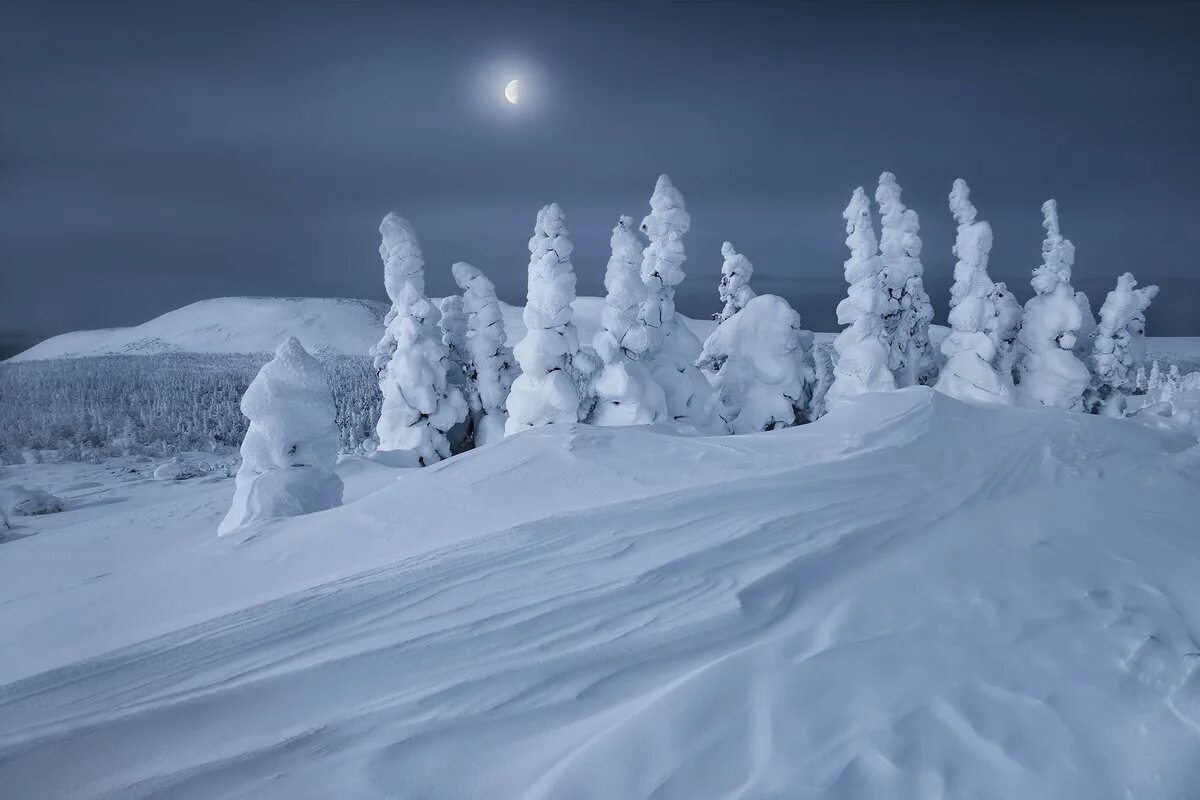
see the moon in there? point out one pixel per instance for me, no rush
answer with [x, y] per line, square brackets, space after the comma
[512, 91]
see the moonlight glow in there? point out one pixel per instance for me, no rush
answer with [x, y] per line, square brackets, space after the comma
[512, 91]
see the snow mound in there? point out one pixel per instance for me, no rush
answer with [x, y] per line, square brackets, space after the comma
[17, 501]
[911, 597]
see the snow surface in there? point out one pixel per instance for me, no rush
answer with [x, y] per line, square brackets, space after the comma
[864, 607]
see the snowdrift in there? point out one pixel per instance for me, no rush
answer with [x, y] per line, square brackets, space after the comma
[912, 597]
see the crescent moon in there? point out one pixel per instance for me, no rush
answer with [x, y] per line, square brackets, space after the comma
[512, 91]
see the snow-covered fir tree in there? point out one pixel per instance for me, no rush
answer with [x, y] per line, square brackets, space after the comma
[290, 448]
[971, 348]
[420, 406]
[861, 361]
[906, 322]
[626, 391]
[1087, 328]
[492, 366]
[1050, 374]
[1119, 349]
[671, 347]
[762, 363]
[551, 387]
[453, 325]
[735, 288]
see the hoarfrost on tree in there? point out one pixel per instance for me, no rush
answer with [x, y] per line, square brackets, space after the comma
[762, 363]
[290, 448]
[976, 324]
[1050, 374]
[1119, 348]
[671, 348]
[549, 387]
[626, 391]
[453, 325]
[420, 406]
[735, 288]
[492, 366]
[861, 364]
[909, 313]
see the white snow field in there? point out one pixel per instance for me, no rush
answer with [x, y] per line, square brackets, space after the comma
[912, 597]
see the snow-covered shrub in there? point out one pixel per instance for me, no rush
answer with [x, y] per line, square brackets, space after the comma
[626, 391]
[17, 501]
[1118, 345]
[548, 388]
[976, 324]
[290, 449]
[420, 406]
[492, 365]
[1050, 374]
[861, 363]
[176, 470]
[762, 363]
[909, 312]
[671, 348]
[735, 288]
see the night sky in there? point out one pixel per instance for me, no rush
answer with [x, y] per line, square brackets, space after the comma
[158, 154]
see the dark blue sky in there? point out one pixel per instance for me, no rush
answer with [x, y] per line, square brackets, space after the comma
[153, 155]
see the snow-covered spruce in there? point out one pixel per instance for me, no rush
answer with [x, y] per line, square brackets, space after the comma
[762, 363]
[291, 447]
[1119, 348]
[551, 387]
[861, 363]
[906, 322]
[735, 288]
[1050, 374]
[453, 325]
[626, 392]
[1006, 328]
[671, 348]
[419, 405]
[492, 366]
[971, 350]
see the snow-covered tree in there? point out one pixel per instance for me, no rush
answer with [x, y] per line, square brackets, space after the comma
[453, 325]
[861, 364]
[1087, 328]
[971, 348]
[419, 405]
[906, 322]
[551, 387]
[290, 448]
[1119, 348]
[762, 363]
[626, 392]
[671, 347]
[492, 367]
[1050, 374]
[735, 282]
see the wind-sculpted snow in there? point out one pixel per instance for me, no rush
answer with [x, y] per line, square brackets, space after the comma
[864, 607]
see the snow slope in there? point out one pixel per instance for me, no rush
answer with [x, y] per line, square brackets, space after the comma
[864, 607]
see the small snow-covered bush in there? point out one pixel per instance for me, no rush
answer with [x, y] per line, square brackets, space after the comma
[17, 501]
[290, 449]
[176, 470]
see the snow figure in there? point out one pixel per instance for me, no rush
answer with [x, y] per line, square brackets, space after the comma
[492, 367]
[763, 366]
[861, 364]
[626, 392]
[906, 322]
[419, 405]
[1118, 347]
[1050, 374]
[976, 325]
[549, 387]
[735, 282]
[290, 448]
[671, 349]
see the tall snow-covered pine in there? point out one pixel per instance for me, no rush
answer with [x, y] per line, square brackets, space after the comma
[492, 366]
[906, 321]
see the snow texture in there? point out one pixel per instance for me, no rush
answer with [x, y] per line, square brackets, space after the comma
[909, 312]
[1119, 348]
[492, 366]
[291, 447]
[981, 314]
[420, 406]
[1050, 374]
[735, 288]
[862, 360]
[548, 390]
[762, 366]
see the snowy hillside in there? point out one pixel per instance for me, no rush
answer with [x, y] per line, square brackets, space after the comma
[911, 597]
